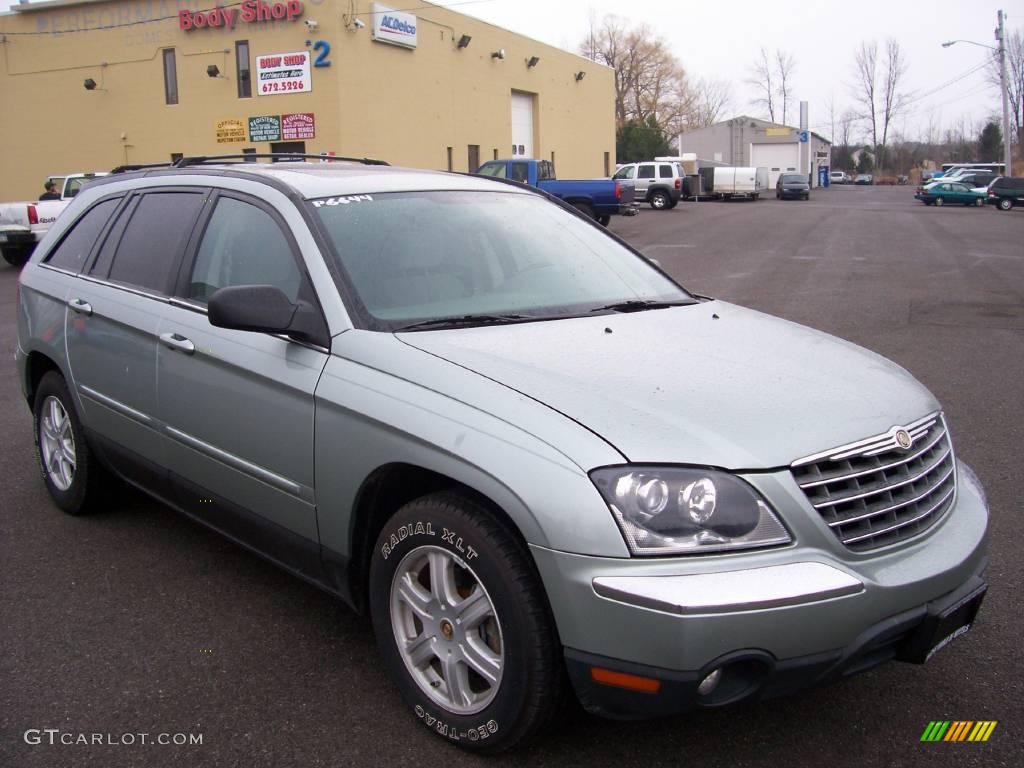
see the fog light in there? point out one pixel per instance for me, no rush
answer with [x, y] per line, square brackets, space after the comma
[709, 683]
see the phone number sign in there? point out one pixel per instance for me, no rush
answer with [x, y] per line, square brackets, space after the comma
[278, 73]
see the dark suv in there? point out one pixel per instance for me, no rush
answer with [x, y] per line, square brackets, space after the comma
[1006, 192]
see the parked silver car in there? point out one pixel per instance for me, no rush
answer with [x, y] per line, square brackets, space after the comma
[532, 457]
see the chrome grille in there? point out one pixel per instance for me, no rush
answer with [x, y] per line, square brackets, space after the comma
[875, 492]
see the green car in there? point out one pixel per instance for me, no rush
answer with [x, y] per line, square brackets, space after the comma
[942, 192]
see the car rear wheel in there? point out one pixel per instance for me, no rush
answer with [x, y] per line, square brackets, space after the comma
[1005, 204]
[939, 201]
[72, 475]
[604, 220]
[585, 208]
[463, 624]
[978, 203]
[16, 256]
[659, 200]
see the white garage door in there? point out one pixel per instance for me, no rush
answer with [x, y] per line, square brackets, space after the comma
[777, 158]
[522, 124]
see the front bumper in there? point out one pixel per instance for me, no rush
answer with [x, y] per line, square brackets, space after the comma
[832, 612]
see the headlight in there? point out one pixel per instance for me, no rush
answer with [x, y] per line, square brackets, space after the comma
[670, 510]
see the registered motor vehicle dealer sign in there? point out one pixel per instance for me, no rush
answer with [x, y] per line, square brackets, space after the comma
[278, 73]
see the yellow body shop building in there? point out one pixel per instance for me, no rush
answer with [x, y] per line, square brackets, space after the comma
[88, 85]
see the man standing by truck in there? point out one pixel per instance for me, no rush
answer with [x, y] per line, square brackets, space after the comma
[51, 192]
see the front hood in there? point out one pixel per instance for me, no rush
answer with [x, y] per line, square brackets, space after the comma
[711, 384]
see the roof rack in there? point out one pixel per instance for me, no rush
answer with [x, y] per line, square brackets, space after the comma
[139, 167]
[185, 162]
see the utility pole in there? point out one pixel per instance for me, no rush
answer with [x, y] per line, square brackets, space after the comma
[1007, 136]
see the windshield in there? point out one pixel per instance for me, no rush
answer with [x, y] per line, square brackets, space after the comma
[792, 178]
[421, 256]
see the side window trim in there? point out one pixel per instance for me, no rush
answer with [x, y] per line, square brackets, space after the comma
[180, 295]
[87, 261]
[136, 198]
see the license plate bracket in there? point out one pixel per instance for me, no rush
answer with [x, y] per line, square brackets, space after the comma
[943, 624]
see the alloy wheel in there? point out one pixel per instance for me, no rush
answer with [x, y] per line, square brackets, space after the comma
[57, 444]
[447, 630]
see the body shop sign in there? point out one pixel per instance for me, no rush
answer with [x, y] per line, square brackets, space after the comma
[228, 17]
[278, 73]
[299, 126]
[229, 131]
[265, 128]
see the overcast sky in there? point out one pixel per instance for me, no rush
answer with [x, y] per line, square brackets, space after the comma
[720, 40]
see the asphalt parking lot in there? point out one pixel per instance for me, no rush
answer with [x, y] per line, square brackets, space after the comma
[137, 620]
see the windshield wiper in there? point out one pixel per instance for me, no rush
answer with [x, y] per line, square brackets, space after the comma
[638, 305]
[454, 322]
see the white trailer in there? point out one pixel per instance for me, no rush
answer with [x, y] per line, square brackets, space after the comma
[735, 182]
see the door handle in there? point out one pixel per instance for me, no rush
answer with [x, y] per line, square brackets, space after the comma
[81, 305]
[178, 342]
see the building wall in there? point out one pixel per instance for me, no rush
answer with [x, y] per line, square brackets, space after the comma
[378, 100]
[732, 139]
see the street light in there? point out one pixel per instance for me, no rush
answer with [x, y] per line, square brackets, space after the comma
[1001, 50]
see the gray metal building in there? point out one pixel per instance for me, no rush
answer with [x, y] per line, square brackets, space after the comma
[748, 141]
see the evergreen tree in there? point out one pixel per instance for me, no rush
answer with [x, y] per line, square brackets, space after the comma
[990, 144]
[637, 141]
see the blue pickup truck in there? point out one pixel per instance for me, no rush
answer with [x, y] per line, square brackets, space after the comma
[599, 199]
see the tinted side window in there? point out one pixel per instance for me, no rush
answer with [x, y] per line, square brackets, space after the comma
[243, 245]
[520, 172]
[665, 171]
[155, 238]
[645, 172]
[73, 251]
[497, 170]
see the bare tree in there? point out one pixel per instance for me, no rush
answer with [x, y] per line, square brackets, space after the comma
[893, 100]
[1014, 80]
[784, 66]
[881, 99]
[649, 80]
[865, 87]
[762, 78]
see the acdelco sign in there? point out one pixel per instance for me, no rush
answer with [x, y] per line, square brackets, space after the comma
[249, 11]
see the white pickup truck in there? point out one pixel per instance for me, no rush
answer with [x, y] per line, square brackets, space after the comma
[22, 225]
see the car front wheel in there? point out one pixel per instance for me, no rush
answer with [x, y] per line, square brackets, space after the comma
[938, 201]
[463, 624]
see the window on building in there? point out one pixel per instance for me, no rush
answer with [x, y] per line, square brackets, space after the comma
[176, 156]
[242, 245]
[607, 164]
[450, 166]
[77, 244]
[250, 151]
[170, 77]
[155, 238]
[552, 158]
[495, 153]
[473, 158]
[242, 64]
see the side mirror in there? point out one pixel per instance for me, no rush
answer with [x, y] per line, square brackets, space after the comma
[263, 308]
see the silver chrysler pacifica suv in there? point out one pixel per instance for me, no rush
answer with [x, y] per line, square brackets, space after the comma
[537, 462]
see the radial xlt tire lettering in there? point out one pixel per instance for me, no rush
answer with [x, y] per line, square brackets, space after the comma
[463, 625]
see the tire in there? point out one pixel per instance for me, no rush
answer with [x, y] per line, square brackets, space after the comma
[939, 201]
[778, 196]
[512, 638]
[807, 197]
[604, 220]
[978, 203]
[585, 208]
[16, 256]
[660, 200]
[1005, 204]
[76, 481]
